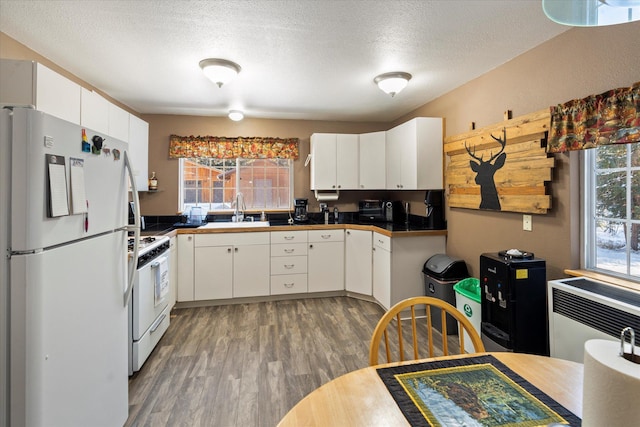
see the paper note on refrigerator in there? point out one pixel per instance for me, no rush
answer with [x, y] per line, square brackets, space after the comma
[58, 201]
[78, 195]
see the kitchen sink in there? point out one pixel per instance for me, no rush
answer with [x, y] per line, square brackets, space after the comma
[229, 224]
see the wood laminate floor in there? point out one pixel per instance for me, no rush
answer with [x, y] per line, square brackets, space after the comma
[248, 364]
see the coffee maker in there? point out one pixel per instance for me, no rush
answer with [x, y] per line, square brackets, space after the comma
[434, 202]
[300, 210]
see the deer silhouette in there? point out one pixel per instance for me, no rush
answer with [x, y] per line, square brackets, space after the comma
[485, 172]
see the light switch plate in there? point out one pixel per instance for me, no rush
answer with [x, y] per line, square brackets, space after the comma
[526, 222]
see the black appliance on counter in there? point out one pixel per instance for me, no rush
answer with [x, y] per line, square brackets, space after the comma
[380, 211]
[300, 210]
[514, 302]
[440, 273]
[434, 203]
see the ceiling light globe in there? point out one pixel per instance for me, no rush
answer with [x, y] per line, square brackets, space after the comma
[392, 83]
[236, 115]
[219, 71]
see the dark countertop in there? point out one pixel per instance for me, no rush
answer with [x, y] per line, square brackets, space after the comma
[164, 225]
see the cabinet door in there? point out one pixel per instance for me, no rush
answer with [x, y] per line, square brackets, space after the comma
[393, 154]
[372, 161]
[118, 123]
[323, 161]
[382, 276]
[185, 290]
[251, 267]
[347, 170]
[139, 151]
[358, 261]
[94, 112]
[429, 154]
[326, 266]
[173, 271]
[213, 272]
[57, 95]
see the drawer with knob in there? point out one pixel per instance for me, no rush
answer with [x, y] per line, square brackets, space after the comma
[288, 265]
[288, 284]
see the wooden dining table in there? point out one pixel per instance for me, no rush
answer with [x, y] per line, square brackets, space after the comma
[360, 398]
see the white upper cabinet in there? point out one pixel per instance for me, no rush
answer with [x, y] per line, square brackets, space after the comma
[347, 161]
[414, 155]
[28, 83]
[139, 151]
[323, 161]
[118, 123]
[372, 161]
[334, 161]
[94, 112]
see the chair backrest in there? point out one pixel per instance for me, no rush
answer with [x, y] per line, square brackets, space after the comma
[420, 330]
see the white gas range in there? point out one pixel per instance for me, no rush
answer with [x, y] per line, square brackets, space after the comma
[149, 307]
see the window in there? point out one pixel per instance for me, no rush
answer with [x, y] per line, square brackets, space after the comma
[266, 184]
[612, 210]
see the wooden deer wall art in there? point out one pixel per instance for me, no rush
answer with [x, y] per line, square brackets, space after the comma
[508, 174]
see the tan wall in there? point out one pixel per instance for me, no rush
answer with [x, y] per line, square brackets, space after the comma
[575, 64]
[162, 126]
[579, 62]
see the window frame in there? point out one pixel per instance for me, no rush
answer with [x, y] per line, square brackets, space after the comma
[236, 187]
[588, 232]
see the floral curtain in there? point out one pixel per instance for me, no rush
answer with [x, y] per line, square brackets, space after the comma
[612, 117]
[232, 148]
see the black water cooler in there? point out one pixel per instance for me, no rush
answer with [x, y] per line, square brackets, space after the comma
[514, 302]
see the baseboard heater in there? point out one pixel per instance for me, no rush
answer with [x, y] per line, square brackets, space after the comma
[582, 309]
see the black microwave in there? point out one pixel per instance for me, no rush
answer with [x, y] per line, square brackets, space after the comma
[380, 211]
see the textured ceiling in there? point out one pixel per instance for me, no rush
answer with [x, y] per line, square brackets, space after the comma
[301, 59]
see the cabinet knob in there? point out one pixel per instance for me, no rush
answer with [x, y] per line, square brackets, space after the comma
[339, 186]
[333, 186]
[235, 249]
[310, 246]
[348, 232]
[228, 250]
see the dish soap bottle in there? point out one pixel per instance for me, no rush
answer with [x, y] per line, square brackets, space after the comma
[153, 182]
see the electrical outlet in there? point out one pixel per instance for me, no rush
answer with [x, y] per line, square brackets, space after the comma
[526, 222]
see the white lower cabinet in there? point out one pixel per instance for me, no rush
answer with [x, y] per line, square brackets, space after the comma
[186, 267]
[398, 263]
[253, 264]
[358, 261]
[382, 269]
[326, 260]
[213, 272]
[173, 271]
[288, 262]
[231, 265]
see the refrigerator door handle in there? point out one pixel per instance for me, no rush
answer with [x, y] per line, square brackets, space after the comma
[133, 261]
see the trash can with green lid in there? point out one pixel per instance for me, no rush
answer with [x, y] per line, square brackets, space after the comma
[468, 303]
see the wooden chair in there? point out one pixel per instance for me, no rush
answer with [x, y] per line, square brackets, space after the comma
[420, 325]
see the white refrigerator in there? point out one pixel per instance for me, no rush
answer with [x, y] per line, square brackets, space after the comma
[64, 277]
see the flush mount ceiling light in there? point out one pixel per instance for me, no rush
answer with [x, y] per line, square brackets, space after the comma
[236, 115]
[219, 71]
[592, 13]
[392, 83]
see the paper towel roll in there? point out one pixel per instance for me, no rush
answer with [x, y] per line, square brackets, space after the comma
[611, 387]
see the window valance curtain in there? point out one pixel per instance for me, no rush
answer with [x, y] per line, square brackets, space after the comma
[612, 117]
[232, 148]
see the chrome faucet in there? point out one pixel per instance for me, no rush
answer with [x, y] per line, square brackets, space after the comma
[240, 207]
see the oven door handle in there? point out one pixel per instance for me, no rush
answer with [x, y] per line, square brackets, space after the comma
[157, 323]
[133, 261]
